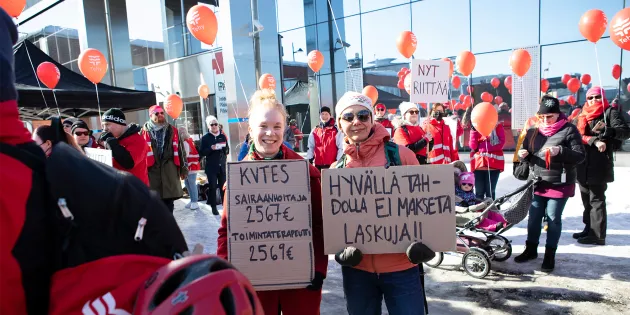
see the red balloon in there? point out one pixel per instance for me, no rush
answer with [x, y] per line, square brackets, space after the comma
[315, 60]
[49, 74]
[403, 72]
[573, 85]
[486, 97]
[565, 78]
[495, 82]
[456, 81]
[616, 72]
[498, 100]
[406, 43]
[571, 100]
[484, 118]
[371, 92]
[93, 65]
[520, 62]
[586, 79]
[408, 83]
[544, 85]
[450, 66]
[13, 7]
[202, 23]
[461, 97]
[466, 62]
[619, 29]
[267, 81]
[470, 89]
[593, 25]
[174, 105]
[628, 87]
[508, 82]
[467, 101]
[562, 102]
[401, 83]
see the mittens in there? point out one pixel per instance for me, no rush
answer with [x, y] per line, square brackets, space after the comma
[349, 256]
[317, 282]
[418, 253]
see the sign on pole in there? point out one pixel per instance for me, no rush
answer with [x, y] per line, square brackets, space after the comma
[100, 155]
[269, 223]
[379, 210]
[429, 81]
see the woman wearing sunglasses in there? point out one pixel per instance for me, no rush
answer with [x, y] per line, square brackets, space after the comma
[442, 149]
[553, 149]
[603, 130]
[410, 134]
[367, 279]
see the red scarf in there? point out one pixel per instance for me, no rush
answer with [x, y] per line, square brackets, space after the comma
[588, 114]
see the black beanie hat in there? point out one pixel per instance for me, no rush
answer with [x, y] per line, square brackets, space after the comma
[8, 37]
[324, 109]
[549, 105]
[115, 115]
[80, 124]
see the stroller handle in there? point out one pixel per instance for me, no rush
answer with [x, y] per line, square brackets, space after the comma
[531, 181]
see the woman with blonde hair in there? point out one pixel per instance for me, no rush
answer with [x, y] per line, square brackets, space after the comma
[267, 122]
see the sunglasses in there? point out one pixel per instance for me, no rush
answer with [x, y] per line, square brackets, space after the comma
[597, 97]
[213, 125]
[414, 112]
[82, 133]
[380, 109]
[159, 113]
[363, 116]
[467, 184]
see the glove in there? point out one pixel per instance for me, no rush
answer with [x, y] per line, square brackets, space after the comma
[418, 253]
[105, 136]
[310, 161]
[609, 133]
[317, 282]
[349, 256]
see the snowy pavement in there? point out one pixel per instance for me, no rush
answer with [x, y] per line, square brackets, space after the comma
[587, 279]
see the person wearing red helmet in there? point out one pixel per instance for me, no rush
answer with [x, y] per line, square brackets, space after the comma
[380, 116]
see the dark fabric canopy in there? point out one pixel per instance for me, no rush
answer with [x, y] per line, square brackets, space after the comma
[73, 89]
[297, 94]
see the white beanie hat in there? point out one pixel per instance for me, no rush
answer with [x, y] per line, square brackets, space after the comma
[353, 98]
[405, 106]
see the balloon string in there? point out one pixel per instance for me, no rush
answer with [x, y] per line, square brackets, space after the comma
[98, 102]
[36, 78]
[55, 97]
[599, 74]
[319, 101]
[488, 157]
[354, 86]
[238, 74]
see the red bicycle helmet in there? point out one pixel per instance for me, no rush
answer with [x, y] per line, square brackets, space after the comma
[195, 285]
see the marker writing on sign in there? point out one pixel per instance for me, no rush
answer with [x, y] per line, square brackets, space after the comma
[387, 206]
[271, 235]
[429, 87]
[373, 233]
[267, 174]
[260, 213]
[370, 184]
[263, 252]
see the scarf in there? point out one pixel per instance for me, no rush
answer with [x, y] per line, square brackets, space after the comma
[468, 197]
[591, 112]
[158, 133]
[254, 156]
[550, 130]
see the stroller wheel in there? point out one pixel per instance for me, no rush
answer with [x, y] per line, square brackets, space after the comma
[436, 261]
[501, 247]
[476, 263]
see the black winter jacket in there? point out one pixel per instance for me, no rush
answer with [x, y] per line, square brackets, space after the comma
[215, 159]
[571, 154]
[598, 167]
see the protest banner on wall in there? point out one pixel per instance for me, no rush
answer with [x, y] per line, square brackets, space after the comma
[269, 223]
[100, 155]
[379, 210]
[429, 81]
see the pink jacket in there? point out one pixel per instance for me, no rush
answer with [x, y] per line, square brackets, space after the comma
[371, 153]
[485, 155]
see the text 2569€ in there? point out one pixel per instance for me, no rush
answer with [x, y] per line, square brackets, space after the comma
[275, 252]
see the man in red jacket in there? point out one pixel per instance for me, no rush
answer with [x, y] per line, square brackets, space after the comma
[325, 144]
[129, 149]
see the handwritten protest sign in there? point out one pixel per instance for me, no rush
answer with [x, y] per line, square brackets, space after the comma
[100, 155]
[379, 210]
[269, 223]
[429, 81]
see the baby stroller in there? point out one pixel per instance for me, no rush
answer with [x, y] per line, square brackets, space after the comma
[478, 251]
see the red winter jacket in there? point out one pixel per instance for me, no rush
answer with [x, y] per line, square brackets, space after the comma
[298, 135]
[137, 147]
[321, 259]
[387, 124]
[325, 143]
[410, 136]
[443, 150]
[484, 155]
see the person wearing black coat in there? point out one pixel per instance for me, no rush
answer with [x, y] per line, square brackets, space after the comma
[603, 130]
[215, 148]
[552, 149]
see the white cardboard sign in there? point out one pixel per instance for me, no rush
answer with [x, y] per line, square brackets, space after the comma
[379, 210]
[100, 155]
[429, 81]
[270, 236]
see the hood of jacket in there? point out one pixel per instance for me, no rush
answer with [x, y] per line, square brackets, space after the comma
[133, 128]
[370, 147]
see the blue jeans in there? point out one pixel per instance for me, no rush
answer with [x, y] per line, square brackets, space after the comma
[552, 208]
[191, 185]
[484, 186]
[364, 292]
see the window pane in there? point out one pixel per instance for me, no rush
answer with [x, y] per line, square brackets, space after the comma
[380, 31]
[577, 59]
[500, 24]
[144, 18]
[343, 8]
[559, 18]
[493, 65]
[370, 5]
[350, 30]
[294, 46]
[625, 81]
[294, 13]
[437, 37]
[325, 91]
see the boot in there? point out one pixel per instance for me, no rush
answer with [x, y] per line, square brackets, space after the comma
[591, 240]
[531, 252]
[581, 234]
[215, 211]
[549, 262]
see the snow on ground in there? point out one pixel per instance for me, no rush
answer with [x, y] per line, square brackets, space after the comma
[587, 279]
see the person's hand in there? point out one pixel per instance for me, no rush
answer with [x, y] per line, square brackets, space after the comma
[311, 161]
[214, 147]
[553, 151]
[429, 136]
[198, 250]
[104, 136]
[601, 145]
[522, 153]
[182, 176]
[317, 282]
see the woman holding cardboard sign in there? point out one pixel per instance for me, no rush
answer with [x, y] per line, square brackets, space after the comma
[267, 122]
[367, 279]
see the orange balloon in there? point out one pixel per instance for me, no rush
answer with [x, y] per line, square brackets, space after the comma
[93, 65]
[593, 24]
[13, 7]
[407, 43]
[267, 81]
[586, 79]
[484, 118]
[573, 85]
[466, 62]
[371, 92]
[616, 72]
[315, 60]
[495, 82]
[408, 83]
[49, 74]
[450, 66]
[202, 23]
[486, 97]
[571, 99]
[508, 82]
[174, 105]
[520, 62]
[456, 81]
[544, 85]
[618, 29]
[203, 91]
[461, 98]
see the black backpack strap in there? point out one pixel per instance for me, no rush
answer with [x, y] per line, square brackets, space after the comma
[392, 154]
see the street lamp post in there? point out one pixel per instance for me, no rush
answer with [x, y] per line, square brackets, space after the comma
[295, 51]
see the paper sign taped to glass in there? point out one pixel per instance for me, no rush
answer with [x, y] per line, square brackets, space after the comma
[379, 210]
[270, 235]
[100, 155]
